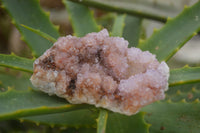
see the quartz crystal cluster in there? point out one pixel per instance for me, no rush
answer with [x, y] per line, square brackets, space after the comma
[103, 71]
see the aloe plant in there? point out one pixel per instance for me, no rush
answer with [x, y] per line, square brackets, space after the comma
[19, 100]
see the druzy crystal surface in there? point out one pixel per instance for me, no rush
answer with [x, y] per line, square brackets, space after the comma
[103, 71]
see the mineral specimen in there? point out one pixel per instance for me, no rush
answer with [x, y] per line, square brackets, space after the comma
[103, 71]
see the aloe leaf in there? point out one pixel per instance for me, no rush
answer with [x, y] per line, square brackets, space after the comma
[184, 75]
[80, 130]
[14, 80]
[22, 126]
[15, 104]
[118, 25]
[189, 96]
[16, 62]
[137, 8]
[132, 30]
[174, 34]
[127, 26]
[183, 88]
[168, 117]
[118, 123]
[82, 19]
[77, 118]
[102, 121]
[189, 92]
[28, 12]
[40, 33]
[184, 84]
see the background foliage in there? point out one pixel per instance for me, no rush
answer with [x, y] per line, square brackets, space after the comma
[24, 108]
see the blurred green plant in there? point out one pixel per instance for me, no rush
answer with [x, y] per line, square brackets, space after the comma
[178, 113]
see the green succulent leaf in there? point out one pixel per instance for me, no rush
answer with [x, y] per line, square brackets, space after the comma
[77, 118]
[18, 102]
[184, 75]
[28, 12]
[189, 92]
[102, 121]
[189, 96]
[15, 104]
[118, 123]
[13, 126]
[144, 9]
[118, 26]
[82, 19]
[40, 33]
[79, 130]
[14, 79]
[183, 88]
[168, 117]
[174, 34]
[132, 30]
[16, 62]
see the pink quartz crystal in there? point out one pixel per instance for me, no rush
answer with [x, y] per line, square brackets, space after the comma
[103, 71]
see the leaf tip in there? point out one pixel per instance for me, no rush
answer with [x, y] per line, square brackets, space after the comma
[21, 120]
[185, 6]
[193, 89]
[77, 127]
[100, 27]
[22, 38]
[155, 30]
[183, 101]
[30, 89]
[10, 88]
[2, 6]
[194, 34]
[57, 27]
[196, 100]
[47, 13]
[34, 58]
[13, 22]
[37, 123]
[186, 66]
[34, 54]
[169, 19]
[169, 101]
[178, 92]
[52, 125]
[148, 125]
[141, 41]
[12, 53]
[97, 120]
